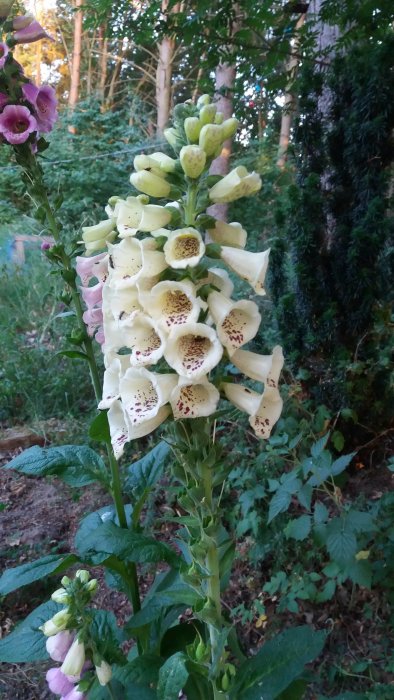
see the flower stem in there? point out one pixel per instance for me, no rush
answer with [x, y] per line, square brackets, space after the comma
[190, 204]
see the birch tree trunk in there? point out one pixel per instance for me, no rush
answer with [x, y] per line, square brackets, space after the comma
[76, 57]
[164, 73]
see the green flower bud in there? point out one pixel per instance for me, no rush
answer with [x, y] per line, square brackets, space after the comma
[200, 651]
[193, 160]
[211, 137]
[92, 585]
[150, 184]
[65, 581]
[225, 682]
[60, 596]
[171, 135]
[192, 126]
[82, 575]
[165, 163]
[207, 114]
[203, 100]
[143, 198]
[219, 118]
[230, 127]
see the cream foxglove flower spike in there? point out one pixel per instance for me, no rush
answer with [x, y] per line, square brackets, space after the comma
[251, 267]
[262, 368]
[143, 393]
[132, 216]
[132, 259]
[150, 183]
[228, 234]
[96, 237]
[264, 411]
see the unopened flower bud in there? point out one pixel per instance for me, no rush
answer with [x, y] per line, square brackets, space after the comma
[171, 135]
[192, 126]
[203, 100]
[92, 585]
[83, 575]
[211, 137]
[75, 659]
[56, 624]
[104, 673]
[143, 198]
[60, 596]
[193, 160]
[200, 651]
[150, 184]
[225, 682]
[230, 127]
[207, 114]
[65, 581]
[219, 118]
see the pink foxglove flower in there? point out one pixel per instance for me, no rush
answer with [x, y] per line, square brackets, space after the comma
[58, 646]
[28, 30]
[75, 694]
[16, 124]
[4, 50]
[44, 101]
[94, 267]
[58, 683]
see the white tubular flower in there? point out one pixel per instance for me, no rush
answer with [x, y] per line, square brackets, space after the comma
[194, 399]
[193, 160]
[150, 183]
[238, 183]
[118, 428]
[75, 659]
[145, 340]
[120, 304]
[193, 350]
[148, 426]
[237, 322]
[56, 624]
[262, 368]
[251, 267]
[104, 673]
[228, 234]
[111, 390]
[132, 259]
[268, 413]
[96, 237]
[184, 248]
[143, 393]
[243, 398]
[220, 278]
[172, 304]
[133, 216]
[160, 232]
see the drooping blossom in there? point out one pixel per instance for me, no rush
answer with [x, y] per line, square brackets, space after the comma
[184, 248]
[104, 673]
[58, 646]
[28, 30]
[58, 682]
[43, 100]
[16, 124]
[251, 267]
[238, 183]
[75, 659]
[194, 399]
[237, 322]
[4, 51]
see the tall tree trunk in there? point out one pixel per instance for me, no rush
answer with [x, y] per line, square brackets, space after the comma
[76, 57]
[164, 73]
[103, 63]
[288, 107]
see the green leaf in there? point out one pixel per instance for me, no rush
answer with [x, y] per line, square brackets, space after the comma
[277, 664]
[327, 591]
[144, 473]
[341, 544]
[304, 496]
[73, 354]
[319, 446]
[15, 578]
[299, 528]
[27, 642]
[173, 676]
[143, 670]
[295, 691]
[279, 503]
[107, 636]
[320, 513]
[77, 465]
[360, 521]
[338, 440]
[99, 428]
[360, 572]
[109, 539]
[341, 463]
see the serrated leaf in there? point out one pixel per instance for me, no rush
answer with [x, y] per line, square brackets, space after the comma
[279, 504]
[360, 572]
[109, 539]
[338, 440]
[173, 676]
[341, 544]
[359, 521]
[277, 664]
[299, 528]
[318, 447]
[304, 496]
[77, 465]
[326, 592]
[26, 642]
[107, 636]
[320, 513]
[20, 576]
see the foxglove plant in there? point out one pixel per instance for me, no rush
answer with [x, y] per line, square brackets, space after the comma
[160, 310]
